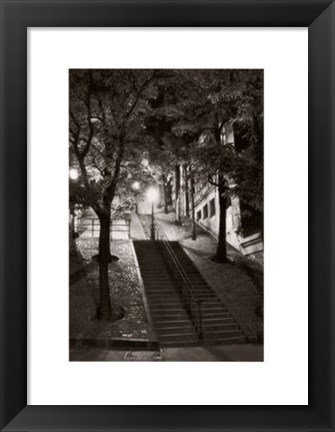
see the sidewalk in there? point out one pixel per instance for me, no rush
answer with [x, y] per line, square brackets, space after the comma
[228, 353]
[136, 229]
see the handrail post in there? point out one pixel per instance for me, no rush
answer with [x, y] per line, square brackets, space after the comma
[199, 301]
[152, 231]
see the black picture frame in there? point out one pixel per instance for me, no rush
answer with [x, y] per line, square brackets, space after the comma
[16, 17]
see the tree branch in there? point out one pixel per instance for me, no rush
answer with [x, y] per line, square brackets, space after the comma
[112, 187]
[89, 115]
[211, 181]
[139, 93]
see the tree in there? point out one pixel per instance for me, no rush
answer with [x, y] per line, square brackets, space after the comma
[170, 151]
[164, 152]
[210, 103]
[107, 111]
[249, 143]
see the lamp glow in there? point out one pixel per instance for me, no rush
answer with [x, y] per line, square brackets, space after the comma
[152, 194]
[74, 174]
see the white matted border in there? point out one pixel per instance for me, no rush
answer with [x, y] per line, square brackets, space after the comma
[282, 378]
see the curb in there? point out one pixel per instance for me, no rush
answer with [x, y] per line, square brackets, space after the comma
[129, 344]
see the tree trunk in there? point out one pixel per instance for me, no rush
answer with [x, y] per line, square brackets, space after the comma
[194, 231]
[221, 252]
[71, 229]
[187, 204]
[177, 194]
[166, 209]
[104, 256]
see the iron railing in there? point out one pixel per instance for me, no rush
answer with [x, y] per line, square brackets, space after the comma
[190, 300]
[90, 227]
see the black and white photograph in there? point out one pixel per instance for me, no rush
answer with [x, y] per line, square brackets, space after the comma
[166, 215]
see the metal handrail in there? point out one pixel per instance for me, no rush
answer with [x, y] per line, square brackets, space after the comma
[93, 225]
[184, 283]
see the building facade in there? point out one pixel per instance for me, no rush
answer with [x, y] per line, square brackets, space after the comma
[243, 224]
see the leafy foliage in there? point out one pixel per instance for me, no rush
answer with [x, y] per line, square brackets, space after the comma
[107, 110]
[208, 107]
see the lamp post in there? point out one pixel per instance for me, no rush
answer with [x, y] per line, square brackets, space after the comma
[74, 175]
[152, 195]
[136, 187]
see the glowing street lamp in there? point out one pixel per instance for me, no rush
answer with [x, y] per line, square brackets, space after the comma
[152, 195]
[74, 174]
[136, 187]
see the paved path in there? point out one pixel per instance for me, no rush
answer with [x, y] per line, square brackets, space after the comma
[136, 229]
[242, 353]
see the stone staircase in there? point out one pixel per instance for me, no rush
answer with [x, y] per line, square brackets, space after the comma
[218, 324]
[171, 322]
[170, 319]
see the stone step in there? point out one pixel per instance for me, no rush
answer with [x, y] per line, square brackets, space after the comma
[151, 284]
[205, 295]
[157, 293]
[226, 340]
[174, 330]
[162, 302]
[163, 317]
[211, 302]
[172, 314]
[165, 306]
[170, 319]
[162, 296]
[220, 334]
[154, 284]
[212, 321]
[160, 293]
[157, 304]
[171, 323]
[177, 337]
[215, 315]
[158, 289]
[219, 327]
[209, 307]
[179, 344]
[220, 316]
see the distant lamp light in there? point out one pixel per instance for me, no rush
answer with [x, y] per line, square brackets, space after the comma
[74, 174]
[152, 194]
[136, 185]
